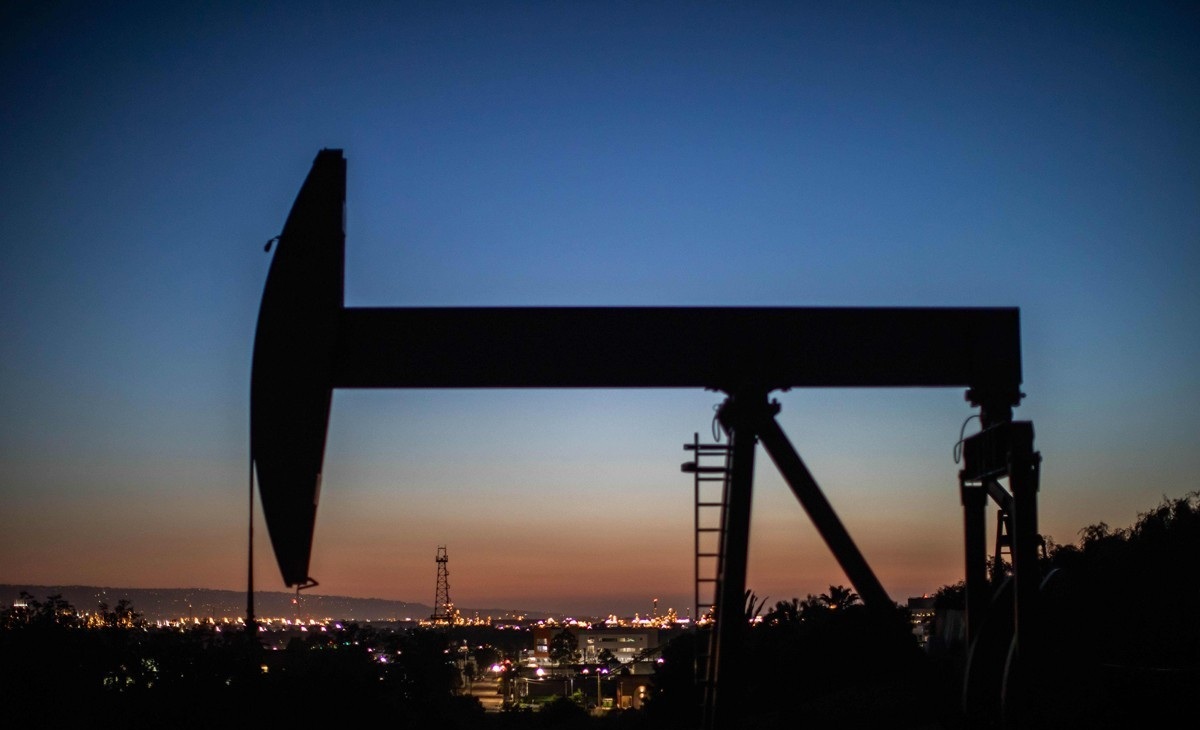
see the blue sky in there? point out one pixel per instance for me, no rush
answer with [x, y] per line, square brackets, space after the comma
[582, 154]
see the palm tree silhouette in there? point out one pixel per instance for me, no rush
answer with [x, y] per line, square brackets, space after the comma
[839, 598]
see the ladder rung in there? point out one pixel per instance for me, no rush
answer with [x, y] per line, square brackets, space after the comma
[710, 504]
[706, 580]
[708, 555]
[708, 529]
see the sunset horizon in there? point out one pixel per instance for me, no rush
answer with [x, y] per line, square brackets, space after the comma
[583, 155]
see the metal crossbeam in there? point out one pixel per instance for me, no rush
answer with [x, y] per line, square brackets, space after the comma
[675, 347]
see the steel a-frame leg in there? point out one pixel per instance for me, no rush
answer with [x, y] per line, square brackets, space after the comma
[748, 417]
[729, 634]
[798, 477]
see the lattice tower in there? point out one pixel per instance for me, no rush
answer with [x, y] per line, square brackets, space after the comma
[443, 607]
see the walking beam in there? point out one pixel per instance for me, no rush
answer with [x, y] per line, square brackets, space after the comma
[722, 348]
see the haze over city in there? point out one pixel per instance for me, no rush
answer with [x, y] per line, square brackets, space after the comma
[582, 154]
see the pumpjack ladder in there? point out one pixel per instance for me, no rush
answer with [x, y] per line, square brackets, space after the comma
[709, 468]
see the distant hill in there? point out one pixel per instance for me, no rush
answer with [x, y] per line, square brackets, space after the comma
[158, 604]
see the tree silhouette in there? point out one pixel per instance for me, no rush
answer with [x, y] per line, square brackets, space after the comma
[824, 659]
[839, 598]
[754, 605]
[564, 713]
[564, 648]
[1119, 611]
[675, 699]
[123, 616]
[783, 613]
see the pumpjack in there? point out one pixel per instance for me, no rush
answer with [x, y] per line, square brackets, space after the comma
[308, 343]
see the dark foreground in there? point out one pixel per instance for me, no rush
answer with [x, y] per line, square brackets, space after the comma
[1122, 649]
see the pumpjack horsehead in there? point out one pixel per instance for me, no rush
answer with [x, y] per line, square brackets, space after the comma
[307, 343]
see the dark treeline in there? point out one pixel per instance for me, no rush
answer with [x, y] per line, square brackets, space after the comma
[1120, 644]
[60, 668]
[1122, 649]
[1123, 630]
[826, 660]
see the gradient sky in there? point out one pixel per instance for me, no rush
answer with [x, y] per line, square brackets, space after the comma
[582, 153]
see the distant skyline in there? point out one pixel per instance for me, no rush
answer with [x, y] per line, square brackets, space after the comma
[163, 603]
[866, 154]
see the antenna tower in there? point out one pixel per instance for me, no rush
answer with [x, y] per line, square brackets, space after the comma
[443, 607]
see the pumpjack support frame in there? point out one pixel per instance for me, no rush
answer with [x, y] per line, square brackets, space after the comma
[308, 342]
[1004, 450]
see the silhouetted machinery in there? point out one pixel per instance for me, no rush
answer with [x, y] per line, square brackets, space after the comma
[308, 343]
